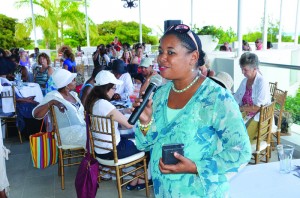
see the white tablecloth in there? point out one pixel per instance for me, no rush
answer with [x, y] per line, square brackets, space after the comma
[28, 89]
[265, 181]
[32, 89]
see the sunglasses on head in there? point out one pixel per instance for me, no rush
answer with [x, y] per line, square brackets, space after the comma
[182, 29]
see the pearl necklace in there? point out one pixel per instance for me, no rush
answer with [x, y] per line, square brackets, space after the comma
[186, 88]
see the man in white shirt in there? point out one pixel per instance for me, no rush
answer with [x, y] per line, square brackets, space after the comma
[123, 91]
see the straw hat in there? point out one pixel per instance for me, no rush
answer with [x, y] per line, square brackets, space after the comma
[224, 78]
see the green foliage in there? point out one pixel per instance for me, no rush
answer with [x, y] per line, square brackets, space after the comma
[7, 34]
[252, 36]
[223, 36]
[126, 32]
[292, 105]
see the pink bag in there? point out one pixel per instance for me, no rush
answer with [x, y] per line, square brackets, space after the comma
[86, 182]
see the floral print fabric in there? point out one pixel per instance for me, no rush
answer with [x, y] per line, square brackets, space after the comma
[214, 136]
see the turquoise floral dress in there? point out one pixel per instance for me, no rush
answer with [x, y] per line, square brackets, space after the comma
[214, 136]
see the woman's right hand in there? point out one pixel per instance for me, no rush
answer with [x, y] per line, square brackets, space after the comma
[61, 107]
[146, 115]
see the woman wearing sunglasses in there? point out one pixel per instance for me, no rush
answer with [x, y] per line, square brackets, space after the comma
[195, 111]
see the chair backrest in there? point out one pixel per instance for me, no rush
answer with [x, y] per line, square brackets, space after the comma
[10, 94]
[279, 99]
[273, 86]
[55, 125]
[265, 124]
[102, 131]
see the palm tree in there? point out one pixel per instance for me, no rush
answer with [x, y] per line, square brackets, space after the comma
[58, 15]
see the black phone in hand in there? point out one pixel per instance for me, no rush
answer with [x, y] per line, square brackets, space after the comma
[168, 151]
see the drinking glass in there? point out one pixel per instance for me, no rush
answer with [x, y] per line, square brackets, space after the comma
[285, 155]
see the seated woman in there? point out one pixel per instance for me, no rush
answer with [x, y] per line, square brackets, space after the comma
[69, 62]
[24, 105]
[125, 89]
[19, 69]
[88, 86]
[126, 57]
[253, 91]
[98, 104]
[205, 71]
[70, 112]
[43, 73]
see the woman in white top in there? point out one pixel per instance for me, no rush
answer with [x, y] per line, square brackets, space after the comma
[98, 104]
[125, 89]
[69, 111]
[253, 91]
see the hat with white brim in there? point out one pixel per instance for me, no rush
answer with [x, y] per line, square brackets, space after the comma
[62, 77]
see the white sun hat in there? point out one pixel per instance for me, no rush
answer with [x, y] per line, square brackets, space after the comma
[146, 62]
[104, 77]
[225, 79]
[62, 77]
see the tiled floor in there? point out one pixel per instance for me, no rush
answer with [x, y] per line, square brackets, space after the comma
[28, 182]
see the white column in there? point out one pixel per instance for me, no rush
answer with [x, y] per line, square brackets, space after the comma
[192, 14]
[33, 24]
[265, 32]
[140, 17]
[87, 26]
[296, 25]
[280, 26]
[239, 28]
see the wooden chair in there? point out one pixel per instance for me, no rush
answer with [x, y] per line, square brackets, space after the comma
[279, 99]
[273, 86]
[101, 126]
[262, 146]
[65, 152]
[10, 94]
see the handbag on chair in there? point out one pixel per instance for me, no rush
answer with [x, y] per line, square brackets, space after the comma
[86, 182]
[43, 149]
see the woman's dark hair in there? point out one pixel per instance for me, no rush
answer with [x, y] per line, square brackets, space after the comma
[188, 43]
[249, 59]
[96, 70]
[69, 55]
[44, 55]
[98, 92]
[2, 52]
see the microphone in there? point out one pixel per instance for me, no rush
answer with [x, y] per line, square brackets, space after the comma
[155, 82]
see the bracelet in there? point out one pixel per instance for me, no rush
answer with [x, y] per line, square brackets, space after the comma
[145, 127]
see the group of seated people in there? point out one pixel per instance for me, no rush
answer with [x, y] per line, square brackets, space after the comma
[118, 84]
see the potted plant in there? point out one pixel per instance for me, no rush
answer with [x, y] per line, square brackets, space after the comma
[209, 36]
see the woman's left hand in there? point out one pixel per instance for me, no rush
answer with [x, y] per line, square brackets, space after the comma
[184, 165]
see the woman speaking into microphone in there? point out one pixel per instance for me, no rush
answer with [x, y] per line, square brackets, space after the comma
[196, 113]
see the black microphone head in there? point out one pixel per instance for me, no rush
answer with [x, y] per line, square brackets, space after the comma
[156, 80]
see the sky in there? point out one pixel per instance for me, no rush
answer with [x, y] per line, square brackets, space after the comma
[154, 12]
